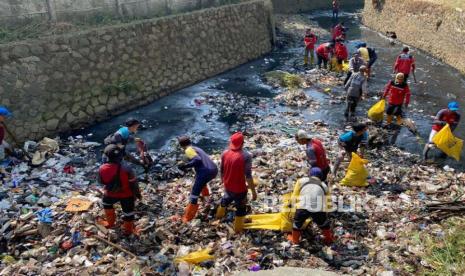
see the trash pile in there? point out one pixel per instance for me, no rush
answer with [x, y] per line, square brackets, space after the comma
[294, 97]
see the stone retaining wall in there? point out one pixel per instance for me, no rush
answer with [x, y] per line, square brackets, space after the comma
[56, 84]
[434, 28]
[298, 6]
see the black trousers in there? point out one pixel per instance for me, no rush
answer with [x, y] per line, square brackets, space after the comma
[127, 204]
[321, 60]
[239, 199]
[347, 77]
[352, 103]
[301, 215]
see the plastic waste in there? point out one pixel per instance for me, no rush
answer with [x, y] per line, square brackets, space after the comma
[448, 143]
[356, 174]
[376, 112]
[196, 257]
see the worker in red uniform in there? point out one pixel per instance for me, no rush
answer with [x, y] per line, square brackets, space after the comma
[315, 151]
[120, 187]
[335, 9]
[341, 53]
[4, 146]
[323, 54]
[309, 41]
[236, 173]
[449, 115]
[205, 171]
[399, 94]
[405, 63]
[339, 32]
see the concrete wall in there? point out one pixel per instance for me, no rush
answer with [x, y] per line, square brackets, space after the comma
[296, 6]
[18, 11]
[437, 29]
[58, 83]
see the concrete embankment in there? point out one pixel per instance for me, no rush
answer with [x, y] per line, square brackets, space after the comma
[438, 29]
[59, 83]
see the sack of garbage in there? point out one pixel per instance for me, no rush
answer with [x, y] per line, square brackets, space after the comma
[448, 143]
[196, 257]
[376, 112]
[356, 174]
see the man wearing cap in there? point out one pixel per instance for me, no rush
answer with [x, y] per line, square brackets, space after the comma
[350, 142]
[398, 92]
[316, 153]
[205, 171]
[122, 137]
[310, 40]
[236, 174]
[356, 87]
[449, 115]
[354, 65]
[4, 113]
[369, 56]
[310, 195]
[405, 63]
[120, 186]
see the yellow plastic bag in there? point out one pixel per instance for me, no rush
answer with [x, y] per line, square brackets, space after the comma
[376, 112]
[448, 143]
[196, 257]
[356, 174]
[337, 67]
[345, 66]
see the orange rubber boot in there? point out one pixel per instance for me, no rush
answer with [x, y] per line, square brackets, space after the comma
[129, 228]
[190, 212]
[294, 237]
[328, 236]
[110, 218]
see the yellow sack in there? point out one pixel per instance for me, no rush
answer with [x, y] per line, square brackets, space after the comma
[448, 143]
[376, 112]
[356, 174]
[196, 257]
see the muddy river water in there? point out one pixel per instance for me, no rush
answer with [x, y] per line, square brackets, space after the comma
[178, 113]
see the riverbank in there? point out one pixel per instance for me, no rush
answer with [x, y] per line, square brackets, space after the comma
[437, 27]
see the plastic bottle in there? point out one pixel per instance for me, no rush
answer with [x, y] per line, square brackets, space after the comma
[183, 269]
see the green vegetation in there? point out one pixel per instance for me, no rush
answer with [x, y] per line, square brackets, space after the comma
[284, 79]
[445, 254]
[121, 86]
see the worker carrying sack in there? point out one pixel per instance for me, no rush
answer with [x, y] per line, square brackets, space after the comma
[357, 174]
[376, 112]
[448, 143]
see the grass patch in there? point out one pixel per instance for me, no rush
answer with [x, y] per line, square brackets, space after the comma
[445, 254]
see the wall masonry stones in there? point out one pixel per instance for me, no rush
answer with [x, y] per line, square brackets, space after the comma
[434, 28]
[57, 84]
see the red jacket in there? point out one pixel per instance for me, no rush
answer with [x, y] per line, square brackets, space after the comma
[316, 154]
[404, 63]
[397, 93]
[341, 51]
[448, 116]
[322, 51]
[310, 41]
[338, 31]
[107, 173]
[236, 167]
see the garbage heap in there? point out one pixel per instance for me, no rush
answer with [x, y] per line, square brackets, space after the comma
[50, 204]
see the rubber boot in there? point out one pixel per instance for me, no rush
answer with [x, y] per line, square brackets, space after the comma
[128, 228]
[190, 212]
[220, 212]
[238, 224]
[328, 236]
[294, 237]
[110, 218]
[388, 120]
[205, 191]
[399, 120]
